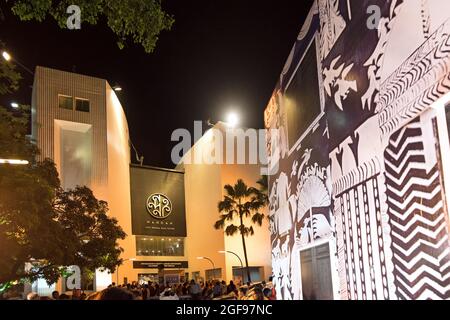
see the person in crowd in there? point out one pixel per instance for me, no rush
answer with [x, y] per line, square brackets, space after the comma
[270, 285]
[195, 290]
[76, 294]
[258, 294]
[137, 294]
[33, 296]
[217, 289]
[207, 291]
[152, 289]
[13, 294]
[231, 288]
[169, 294]
[114, 293]
[145, 292]
[55, 295]
[157, 289]
[268, 293]
[242, 293]
[223, 285]
[180, 290]
[185, 288]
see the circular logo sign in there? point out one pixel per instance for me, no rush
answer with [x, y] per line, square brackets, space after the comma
[159, 206]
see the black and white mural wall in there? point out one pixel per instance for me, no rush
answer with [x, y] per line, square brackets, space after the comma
[358, 147]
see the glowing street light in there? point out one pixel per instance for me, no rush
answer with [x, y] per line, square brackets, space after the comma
[232, 119]
[15, 105]
[6, 56]
[14, 161]
[117, 88]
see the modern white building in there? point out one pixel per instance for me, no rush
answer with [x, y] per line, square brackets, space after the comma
[78, 122]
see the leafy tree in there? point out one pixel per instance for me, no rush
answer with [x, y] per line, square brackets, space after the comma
[92, 234]
[241, 203]
[263, 184]
[40, 223]
[138, 20]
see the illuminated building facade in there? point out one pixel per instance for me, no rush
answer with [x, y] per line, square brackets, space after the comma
[168, 215]
[359, 204]
[79, 122]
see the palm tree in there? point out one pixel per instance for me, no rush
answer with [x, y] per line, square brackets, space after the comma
[240, 202]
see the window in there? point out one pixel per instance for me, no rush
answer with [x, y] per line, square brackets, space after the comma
[196, 276]
[213, 274]
[82, 105]
[159, 246]
[240, 274]
[65, 102]
[145, 278]
[302, 97]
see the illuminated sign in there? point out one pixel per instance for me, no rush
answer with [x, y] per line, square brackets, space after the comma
[159, 206]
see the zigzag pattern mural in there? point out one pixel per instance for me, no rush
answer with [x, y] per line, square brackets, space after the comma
[420, 243]
[382, 155]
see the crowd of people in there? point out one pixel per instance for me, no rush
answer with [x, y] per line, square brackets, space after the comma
[189, 290]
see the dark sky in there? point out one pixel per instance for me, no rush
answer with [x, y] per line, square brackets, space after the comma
[220, 55]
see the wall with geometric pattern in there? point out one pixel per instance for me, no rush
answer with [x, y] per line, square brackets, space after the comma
[359, 152]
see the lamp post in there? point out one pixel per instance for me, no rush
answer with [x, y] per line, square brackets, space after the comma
[240, 261]
[117, 273]
[8, 58]
[214, 268]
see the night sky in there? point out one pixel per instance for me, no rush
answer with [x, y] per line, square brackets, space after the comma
[220, 55]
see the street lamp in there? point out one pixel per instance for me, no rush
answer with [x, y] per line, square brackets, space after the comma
[117, 272]
[232, 119]
[8, 58]
[240, 261]
[117, 88]
[214, 268]
[15, 105]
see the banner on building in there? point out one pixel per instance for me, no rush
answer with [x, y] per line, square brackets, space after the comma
[157, 202]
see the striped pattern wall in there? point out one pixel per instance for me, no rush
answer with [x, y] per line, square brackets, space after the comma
[420, 240]
[360, 238]
[48, 84]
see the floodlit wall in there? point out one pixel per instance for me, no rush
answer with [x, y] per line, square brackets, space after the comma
[88, 148]
[204, 190]
[119, 201]
[46, 115]
[361, 148]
